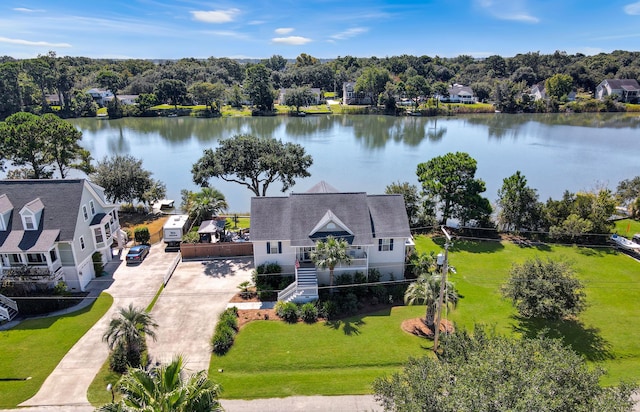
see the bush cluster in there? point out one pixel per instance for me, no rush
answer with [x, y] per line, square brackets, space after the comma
[225, 332]
[290, 312]
[141, 235]
[269, 280]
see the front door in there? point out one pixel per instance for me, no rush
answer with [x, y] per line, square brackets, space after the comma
[304, 254]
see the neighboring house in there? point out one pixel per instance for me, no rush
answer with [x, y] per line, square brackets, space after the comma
[53, 99]
[628, 90]
[350, 96]
[284, 230]
[538, 92]
[317, 95]
[459, 94]
[127, 99]
[100, 96]
[55, 226]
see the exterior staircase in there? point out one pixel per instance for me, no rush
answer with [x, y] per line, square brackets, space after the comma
[8, 308]
[303, 289]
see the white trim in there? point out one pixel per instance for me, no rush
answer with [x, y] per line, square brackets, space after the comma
[329, 217]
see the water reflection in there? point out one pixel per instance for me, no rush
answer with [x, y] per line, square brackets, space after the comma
[555, 152]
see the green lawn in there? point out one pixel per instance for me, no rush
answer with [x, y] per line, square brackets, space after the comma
[274, 359]
[35, 347]
[627, 227]
[607, 333]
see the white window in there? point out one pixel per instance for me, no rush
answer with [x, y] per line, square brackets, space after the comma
[82, 246]
[385, 245]
[274, 248]
[28, 223]
[53, 255]
[35, 258]
[93, 208]
[84, 212]
[107, 229]
[98, 235]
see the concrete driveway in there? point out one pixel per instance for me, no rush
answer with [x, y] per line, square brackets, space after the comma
[188, 309]
[68, 383]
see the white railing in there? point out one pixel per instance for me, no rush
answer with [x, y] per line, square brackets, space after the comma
[4, 312]
[286, 293]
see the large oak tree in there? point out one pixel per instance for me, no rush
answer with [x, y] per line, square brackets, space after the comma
[253, 162]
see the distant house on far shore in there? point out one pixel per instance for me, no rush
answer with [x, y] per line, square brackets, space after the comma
[538, 92]
[459, 94]
[628, 90]
[350, 96]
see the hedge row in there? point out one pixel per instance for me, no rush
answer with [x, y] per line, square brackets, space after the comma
[225, 332]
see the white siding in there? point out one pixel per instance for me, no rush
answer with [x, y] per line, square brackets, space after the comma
[389, 262]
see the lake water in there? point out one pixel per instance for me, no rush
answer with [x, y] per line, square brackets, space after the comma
[556, 152]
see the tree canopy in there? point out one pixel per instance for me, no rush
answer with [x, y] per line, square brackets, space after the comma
[519, 206]
[259, 88]
[298, 96]
[546, 289]
[124, 179]
[253, 162]
[449, 181]
[483, 372]
[43, 143]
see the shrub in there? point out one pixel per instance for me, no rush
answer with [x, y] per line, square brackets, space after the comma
[141, 235]
[309, 312]
[329, 309]
[96, 258]
[349, 304]
[118, 359]
[230, 319]
[60, 288]
[222, 339]
[288, 311]
[225, 332]
[191, 237]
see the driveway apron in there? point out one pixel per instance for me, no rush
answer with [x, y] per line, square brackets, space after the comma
[70, 380]
[189, 306]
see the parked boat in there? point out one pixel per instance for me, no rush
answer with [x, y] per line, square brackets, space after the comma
[625, 244]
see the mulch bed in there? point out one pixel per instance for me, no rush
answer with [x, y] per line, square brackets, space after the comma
[414, 326]
[418, 327]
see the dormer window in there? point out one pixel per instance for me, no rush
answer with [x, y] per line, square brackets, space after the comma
[28, 223]
[31, 214]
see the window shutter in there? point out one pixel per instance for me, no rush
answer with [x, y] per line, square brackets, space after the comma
[268, 247]
[390, 244]
[379, 245]
[279, 247]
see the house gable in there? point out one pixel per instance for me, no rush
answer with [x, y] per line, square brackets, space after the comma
[5, 212]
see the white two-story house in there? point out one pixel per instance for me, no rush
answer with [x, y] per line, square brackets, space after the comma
[54, 227]
[284, 230]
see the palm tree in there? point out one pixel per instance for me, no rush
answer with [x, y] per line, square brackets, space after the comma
[205, 204]
[425, 291]
[165, 389]
[127, 332]
[329, 253]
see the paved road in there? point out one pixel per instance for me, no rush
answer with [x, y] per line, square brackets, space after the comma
[68, 383]
[189, 306]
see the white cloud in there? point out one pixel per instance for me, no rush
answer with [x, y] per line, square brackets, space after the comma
[227, 33]
[32, 43]
[350, 33]
[633, 9]
[515, 10]
[215, 16]
[283, 30]
[26, 10]
[292, 40]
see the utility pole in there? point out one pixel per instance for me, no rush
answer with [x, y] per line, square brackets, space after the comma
[443, 285]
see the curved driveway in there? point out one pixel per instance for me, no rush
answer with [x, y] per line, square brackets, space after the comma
[70, 380]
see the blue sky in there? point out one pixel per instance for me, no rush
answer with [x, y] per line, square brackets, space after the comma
[321, 28]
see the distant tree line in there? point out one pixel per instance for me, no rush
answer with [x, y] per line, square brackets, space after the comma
[25, 84]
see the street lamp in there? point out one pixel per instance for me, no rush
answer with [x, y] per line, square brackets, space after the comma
[441, 260]
[113, 395]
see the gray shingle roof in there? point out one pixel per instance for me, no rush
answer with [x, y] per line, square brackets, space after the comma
[627, 84]
[61, 200]
[293, 218]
